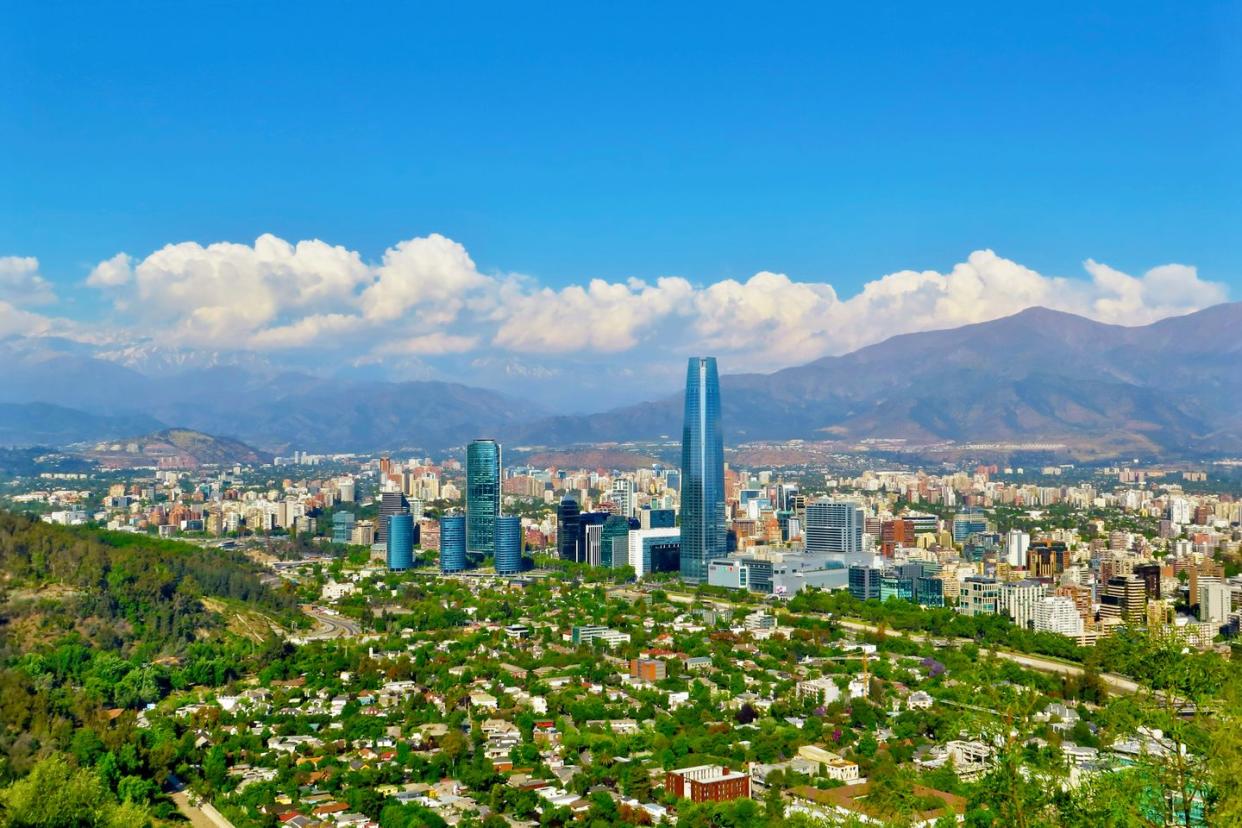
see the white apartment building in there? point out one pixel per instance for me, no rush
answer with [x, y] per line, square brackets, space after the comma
[1018, 600]
[1057, 614]
[1215, 602]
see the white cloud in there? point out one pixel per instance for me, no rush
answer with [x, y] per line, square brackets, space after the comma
[112, 272]
[1163, 291]
[426, 298]
[433, 274]
[603, 317]
[769, 314]
[228, 294]
[17, 322]
[429, 345]
[309, 330]
[21, 284]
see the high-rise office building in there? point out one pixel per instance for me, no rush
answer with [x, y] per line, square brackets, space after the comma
[615, 541]
[1124, 597]
[452, 543]
[654, 550]
[482, 496]
[400, 541]
[508, 545]
[342, 526]
[702, 470]
[864, 582]
[1017, 543]
[623, 496]
[391, 503]
[656, 518]
[979, 596]
[968, 522]
[567, 529]
[835, 527]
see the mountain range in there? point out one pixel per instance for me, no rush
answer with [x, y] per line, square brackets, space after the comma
[1040, 376]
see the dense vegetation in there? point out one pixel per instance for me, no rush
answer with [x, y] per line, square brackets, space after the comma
[987, 630]
[94, 626]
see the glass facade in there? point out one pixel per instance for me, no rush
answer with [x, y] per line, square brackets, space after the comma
[482, 496]
[864, 582]
[615, 541]
[508, 545]
[342, 526]
[567, 529]
[702, 472]
[969, 522]
[400, 541]
[390, 503]
[452, 543]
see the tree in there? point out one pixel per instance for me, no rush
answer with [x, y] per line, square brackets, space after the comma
[216, 767]
[774, 805]
[56, 795]
[454, 745]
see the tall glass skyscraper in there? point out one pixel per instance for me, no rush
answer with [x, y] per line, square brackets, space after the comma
[400, 541]
[508, 545]
[567, 529]
[482, 496]
[702, 472]
[452, 543]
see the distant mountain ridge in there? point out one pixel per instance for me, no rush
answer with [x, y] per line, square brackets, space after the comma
[1039, 375]
[44, 424]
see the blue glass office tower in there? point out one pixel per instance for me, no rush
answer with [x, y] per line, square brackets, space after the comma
[508, 545]
[342, 526]
[567, 529]
[702, 472]
[482, 496]
[452, 543]
[400, 541]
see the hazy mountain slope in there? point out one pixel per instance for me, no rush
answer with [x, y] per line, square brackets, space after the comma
[44, 424]
[1039, 375]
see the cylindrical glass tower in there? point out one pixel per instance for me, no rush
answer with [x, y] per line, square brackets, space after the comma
[702, 472]
[508, 545]
[400, 541]
[452, 543]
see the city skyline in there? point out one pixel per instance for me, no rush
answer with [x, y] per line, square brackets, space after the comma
[349, 477]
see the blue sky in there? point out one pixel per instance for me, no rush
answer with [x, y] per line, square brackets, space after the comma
[568, 142]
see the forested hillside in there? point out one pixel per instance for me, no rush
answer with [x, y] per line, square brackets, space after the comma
[95, 626]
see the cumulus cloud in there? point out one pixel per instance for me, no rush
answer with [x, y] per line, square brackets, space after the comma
[1163, 291]
[112, 272]
[21, 284]
[603, 317]
[433, 274]
[228, 294]
[426, 300]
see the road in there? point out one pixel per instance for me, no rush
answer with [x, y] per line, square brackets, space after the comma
[328, 625]
[202, 815]
[1114, 682]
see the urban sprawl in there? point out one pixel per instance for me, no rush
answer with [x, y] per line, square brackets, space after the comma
[694, 643]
